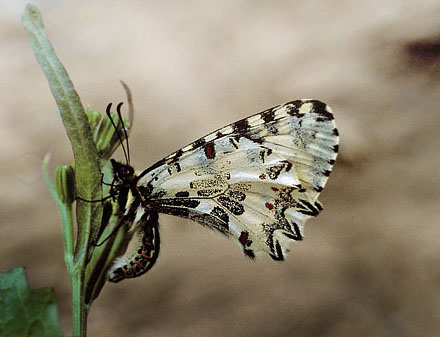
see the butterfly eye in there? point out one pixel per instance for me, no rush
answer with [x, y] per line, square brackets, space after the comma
[123, 171]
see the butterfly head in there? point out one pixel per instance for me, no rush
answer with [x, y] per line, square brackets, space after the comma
[122, 172]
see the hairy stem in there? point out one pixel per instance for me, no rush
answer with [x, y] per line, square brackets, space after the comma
[87, 161]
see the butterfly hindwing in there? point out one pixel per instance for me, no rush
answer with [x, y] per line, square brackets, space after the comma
[257, 179]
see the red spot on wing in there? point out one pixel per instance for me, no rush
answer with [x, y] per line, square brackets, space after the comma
[243, 238]
[274, 189]
[269, 206]
[262, 176]
[210, 150]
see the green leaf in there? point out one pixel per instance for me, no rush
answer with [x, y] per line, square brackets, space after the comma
[25, 312]
[87, 161]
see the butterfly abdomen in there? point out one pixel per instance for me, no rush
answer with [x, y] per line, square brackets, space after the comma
[142, 259]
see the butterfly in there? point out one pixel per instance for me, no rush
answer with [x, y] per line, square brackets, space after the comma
[256, 180]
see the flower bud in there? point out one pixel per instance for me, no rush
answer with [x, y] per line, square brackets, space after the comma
[105, 135]
[94, 118]
[65, 183]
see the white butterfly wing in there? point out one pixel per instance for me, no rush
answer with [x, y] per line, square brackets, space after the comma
[257, 179]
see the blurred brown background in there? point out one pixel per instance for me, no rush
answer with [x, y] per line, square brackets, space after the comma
[369, 265]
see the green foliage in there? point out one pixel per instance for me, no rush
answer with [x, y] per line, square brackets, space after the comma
[25, 312]
[93, 140]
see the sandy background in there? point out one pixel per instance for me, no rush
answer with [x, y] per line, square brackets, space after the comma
[369, 265]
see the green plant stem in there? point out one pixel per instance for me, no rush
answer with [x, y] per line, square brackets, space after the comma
[80, 310]
[87, 268]
[67, 226]
[87, 169]
[87, 161]
[65, 211]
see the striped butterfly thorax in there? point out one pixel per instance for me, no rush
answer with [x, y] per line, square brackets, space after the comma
[256, 180]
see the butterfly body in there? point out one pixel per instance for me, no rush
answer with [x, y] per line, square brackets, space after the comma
[143, 222]
[256, 180]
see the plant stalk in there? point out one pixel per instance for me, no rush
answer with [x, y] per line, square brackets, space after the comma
[87, 163]
[80, 311]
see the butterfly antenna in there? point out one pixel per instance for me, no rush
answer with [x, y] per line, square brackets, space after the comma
[117, 131]
[118, 109]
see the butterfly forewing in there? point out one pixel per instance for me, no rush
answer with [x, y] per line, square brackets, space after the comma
[257, 179]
